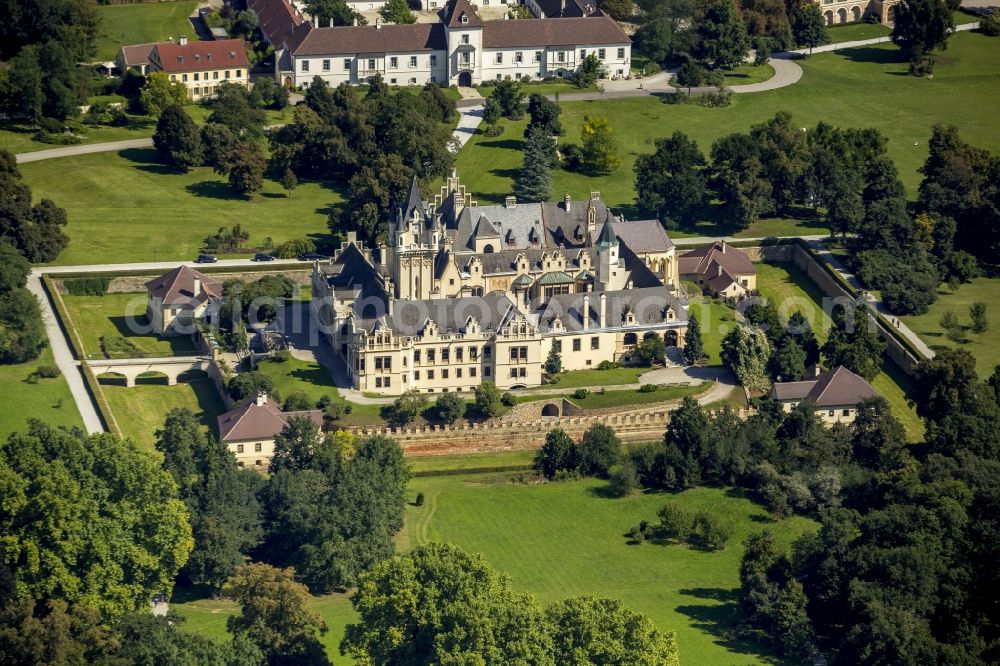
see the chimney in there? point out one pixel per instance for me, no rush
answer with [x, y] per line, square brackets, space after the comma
[352, 237]
[315, 21]
[182, 40]
[595, 196]
[723, 247]
[562, 7]
[330, 23]
[604, 310]
[389, 302]
[355, 21]
[378, 24]
[719, 269]
[566, 202]
[261, 399]
[586, 312]
[510, 202]
[197, 286]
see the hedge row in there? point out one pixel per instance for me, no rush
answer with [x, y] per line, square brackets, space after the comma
[97, 396]
[473, 470]
[87, 286]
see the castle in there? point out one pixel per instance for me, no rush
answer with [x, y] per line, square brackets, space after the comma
[462, 293]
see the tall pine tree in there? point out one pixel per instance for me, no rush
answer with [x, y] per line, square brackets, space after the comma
[694, 350]
[534, 180]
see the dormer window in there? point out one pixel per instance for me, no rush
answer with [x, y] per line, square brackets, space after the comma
[232, 54]
[464, 19]
[180, 58]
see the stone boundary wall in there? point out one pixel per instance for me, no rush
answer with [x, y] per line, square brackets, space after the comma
[495, 436]
[127, 284]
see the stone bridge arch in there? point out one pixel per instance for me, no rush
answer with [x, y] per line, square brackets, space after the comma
[551, 409]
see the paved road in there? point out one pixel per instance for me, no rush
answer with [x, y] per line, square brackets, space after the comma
[468, 122]
[71, 151]
[64, 358]
[867, 42]
[702, 240]
[164, 265]
[878, 304]
[786, 73]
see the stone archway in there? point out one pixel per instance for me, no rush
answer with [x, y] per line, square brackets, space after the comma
[465, 79]
[841, 16]
[670, 338]
[828, 15]
[649, 336]
[855, 13]
[631, 340]
[551, 409]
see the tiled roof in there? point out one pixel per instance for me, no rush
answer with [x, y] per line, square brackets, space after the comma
[648, 306]
[276, 19]
[351, 40]
[643, 235]
[451, 314]
[704, 260]
[252, 421]
[196, 56]
[452, 13]
[177, 287]
[595, 29]
[833, 388]
[566, 8]
[137, 54]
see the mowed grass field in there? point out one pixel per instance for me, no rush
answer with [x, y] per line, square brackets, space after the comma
[564, 539]
[862, 87]
[142, 23]
[986, 346]
[48, 400]
[120, 315]
[791, 289]
[125, 207]
[140, 410]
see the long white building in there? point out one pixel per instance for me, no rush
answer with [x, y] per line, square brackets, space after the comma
[460, 50]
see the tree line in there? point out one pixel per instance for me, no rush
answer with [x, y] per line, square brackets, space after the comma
[777, 169]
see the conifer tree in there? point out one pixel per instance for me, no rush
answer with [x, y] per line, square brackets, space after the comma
[534, 181]
[694, 350]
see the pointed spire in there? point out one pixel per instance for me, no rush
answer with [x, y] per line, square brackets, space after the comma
[608, 236]
[414, 202]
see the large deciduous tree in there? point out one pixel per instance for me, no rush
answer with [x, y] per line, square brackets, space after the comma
[672, 181]
[176, 139]
[440, 605]
[159, 92]
[397, 11]
[89, 519]
[810, 27]
[599, 449]
[854, 343]
[722, 37]
[746, 351]
[599, 146]
[920, 26]
[36, 231]
[558, 453]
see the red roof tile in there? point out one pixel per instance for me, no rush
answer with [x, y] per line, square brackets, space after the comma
[595, 29]
[196, 56]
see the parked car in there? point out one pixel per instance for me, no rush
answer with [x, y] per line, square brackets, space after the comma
[263, 256]
[206, 259]
[312, 256]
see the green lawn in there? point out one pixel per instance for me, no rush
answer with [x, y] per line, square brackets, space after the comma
[562, 539]
[598, 400]
[864, 87]
[853, 32]
[15, 136]
[429, 465]
[48, 399]
[123, 206]
[310, 377]
[611, 377]
[716, 319]
[143, 23]
[140, 409]
[546, 88]
[791, 290]
[745, 74]
[112, 315]
[985, 347]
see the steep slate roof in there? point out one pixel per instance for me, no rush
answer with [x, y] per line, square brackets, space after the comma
[607, 237]
[351, 272]
[648, 305]
[561, 225]
[251, 421]
[833, 388]
[414, 202]
[177, 287]
[137, 54]
[352, 40]
[451, 15]
[643, 235]
[704, 260]
[193, 56]
[491, 311]
[566, 8]
[595, 29]
[276, 18]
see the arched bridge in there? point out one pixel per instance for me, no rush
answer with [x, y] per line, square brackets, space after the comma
[130, 368]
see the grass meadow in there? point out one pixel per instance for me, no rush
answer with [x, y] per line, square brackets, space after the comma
[862, 87]
[125, 207]
[46, 399]
[111, 316]
[563, 539]
[143, 23]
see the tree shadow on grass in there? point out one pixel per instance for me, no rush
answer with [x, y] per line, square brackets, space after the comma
[505, 144]
[505, 173]
[874, 55]
[316, 376]
[139, 155]
[214, 189]
[604, 492]
[719, 619]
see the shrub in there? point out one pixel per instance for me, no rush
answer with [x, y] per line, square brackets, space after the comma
[324, 401]
[572, 157]
[622, 479]
[709, 532]
[87, 286]
[116, 346]
[450, 407]
[419, 501]
[47, 371]
[635, 535]
[675, 522]
[607, 365]
[649, 388]
[281, 356]
[51, 125]
[581, 393]
[336, 411]
[297, 401]
[508, 399]
[294, 248]
[406, 408]
[990, 25]
[494, 130]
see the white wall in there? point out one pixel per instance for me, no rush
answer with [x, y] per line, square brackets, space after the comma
[360, 68]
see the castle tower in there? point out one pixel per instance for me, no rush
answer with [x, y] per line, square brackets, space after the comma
[610, 270]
